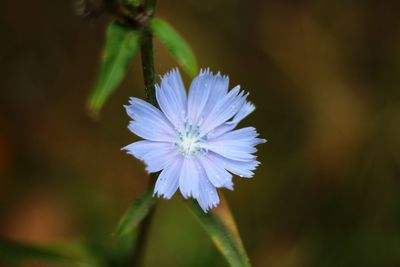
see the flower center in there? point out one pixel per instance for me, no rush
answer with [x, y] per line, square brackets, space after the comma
[189, 141]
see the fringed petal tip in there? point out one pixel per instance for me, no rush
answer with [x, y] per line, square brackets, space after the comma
[208, 72]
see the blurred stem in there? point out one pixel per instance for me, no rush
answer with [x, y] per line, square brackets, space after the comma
[148, 66]
[150, 6]
[149, 82]
[139, 249]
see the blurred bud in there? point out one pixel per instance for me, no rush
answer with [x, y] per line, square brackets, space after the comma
[89, 8]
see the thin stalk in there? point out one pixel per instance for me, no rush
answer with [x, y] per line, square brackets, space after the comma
[149, 82]
[148, 66]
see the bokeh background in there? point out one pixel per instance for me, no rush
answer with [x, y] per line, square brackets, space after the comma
[324, 76]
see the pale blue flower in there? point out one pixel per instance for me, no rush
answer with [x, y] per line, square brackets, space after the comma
[192, 140]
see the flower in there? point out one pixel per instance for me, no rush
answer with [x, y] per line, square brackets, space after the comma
[192, 140]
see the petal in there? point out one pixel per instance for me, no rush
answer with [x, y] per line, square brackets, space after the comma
[208, 196]
[148, 122]
[174, 80]
[189, 178]
[156, 155]
[223, 128]
[225, 109]
[171, 96]
[246, 133]
[147, 131]
[158, 159]
[241, 168]
[241, 137]
[246, 109]
[217, 175]
[168, 180]
[204, 91]
[234, 153]
[198, 96]
[141, 148]
[219, 89]
[228, 185]
[236, 145]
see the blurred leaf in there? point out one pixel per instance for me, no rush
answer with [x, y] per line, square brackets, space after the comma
[134, 3]
[122, 45]
[17, 252]
[175, 44]
[222, 229]
[136, 213]
[119, 250]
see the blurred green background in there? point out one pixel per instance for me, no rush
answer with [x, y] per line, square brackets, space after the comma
[324, 76]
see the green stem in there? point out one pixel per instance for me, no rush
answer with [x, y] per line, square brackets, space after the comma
[149, 82]
[148, 66]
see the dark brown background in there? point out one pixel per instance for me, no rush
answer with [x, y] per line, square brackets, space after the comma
[324, 76]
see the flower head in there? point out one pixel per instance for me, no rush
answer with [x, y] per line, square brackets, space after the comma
[192, 140]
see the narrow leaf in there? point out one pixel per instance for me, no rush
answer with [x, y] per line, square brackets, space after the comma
[121, 46]
[133, 3]
[222, 229]
[135, 213]
[175, 44]
[17, 252]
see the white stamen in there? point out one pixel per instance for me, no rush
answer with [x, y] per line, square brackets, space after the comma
[189, 141]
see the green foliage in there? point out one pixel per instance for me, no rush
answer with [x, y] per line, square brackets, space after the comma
[134, 3]
[16, 252]
[221, 227]
[122, 45]
[176, 45]
[116, 252]
[135, 213]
